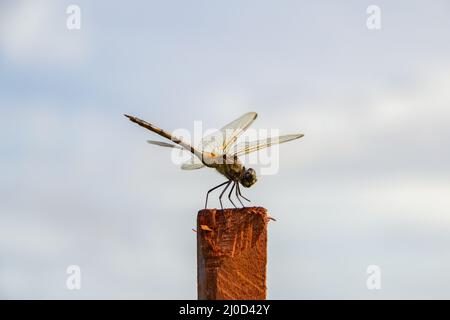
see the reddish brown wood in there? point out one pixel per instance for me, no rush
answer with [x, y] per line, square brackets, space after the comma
[232, 254]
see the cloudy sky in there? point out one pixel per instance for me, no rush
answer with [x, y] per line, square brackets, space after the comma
[368, 185]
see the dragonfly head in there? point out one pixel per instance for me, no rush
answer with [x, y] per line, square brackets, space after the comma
[248, 178]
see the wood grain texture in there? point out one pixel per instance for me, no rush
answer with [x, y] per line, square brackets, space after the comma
[232, 254]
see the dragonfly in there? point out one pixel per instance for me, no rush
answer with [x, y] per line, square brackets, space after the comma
[221, 151]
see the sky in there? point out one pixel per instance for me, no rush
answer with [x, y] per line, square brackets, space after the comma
[367, 185]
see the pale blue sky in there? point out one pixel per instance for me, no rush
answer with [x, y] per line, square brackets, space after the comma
[367, 185]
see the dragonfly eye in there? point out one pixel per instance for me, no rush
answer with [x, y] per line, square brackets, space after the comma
[248, 178]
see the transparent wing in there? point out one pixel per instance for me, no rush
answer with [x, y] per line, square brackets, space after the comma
[193, 164]
[164, 144]
[248, 147]
[220, 141]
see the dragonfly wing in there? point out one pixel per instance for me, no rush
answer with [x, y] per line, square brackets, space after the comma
[188, 166]
[220, 141]
[248, 147]
[164, 144]
[192, 164]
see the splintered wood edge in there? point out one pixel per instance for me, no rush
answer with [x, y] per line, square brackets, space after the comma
[255, 210]
[247, 210]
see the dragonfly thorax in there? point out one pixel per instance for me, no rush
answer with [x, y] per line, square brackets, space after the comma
[233, 169]
[229, 167]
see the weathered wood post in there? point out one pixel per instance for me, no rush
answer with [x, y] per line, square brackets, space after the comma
[232, 254]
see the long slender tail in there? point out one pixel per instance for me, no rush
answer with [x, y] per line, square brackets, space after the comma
[165, 134]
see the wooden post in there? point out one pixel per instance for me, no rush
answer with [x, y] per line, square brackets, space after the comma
[232, 254]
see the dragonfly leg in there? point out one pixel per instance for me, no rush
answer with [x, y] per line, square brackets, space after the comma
[229, 195]
[239, 191]
[207, 194]
[237, 195]
[221, 195]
